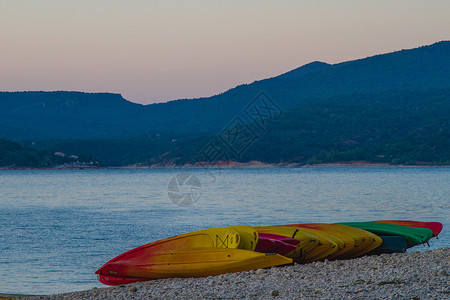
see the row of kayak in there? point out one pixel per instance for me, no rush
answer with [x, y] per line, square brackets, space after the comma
[240, 248]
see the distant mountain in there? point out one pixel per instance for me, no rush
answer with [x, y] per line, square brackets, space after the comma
[44, 115]
[396, 127]
[391, 108]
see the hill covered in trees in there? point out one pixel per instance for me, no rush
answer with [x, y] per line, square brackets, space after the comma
[392, 108]
[18, 155]
[415, 130]
[15, 155]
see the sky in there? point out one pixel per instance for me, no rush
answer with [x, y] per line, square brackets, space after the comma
[156, 51]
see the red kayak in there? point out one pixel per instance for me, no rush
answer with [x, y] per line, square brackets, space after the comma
[274, 243]
[278, 237]
[436, 227]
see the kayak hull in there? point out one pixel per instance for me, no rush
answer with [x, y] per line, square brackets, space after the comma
[197, 262]
[435, 227]
[357, 241]
[308, 242]
[391, 244]
[273, 243]
[413, 235]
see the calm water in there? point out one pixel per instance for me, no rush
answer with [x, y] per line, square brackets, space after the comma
[58, 227]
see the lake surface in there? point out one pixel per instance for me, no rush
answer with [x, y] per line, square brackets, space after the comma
[57, 227]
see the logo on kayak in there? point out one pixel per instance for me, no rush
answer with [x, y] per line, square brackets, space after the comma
[184, 189]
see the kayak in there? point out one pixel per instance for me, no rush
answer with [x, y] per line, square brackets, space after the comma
[391, 244]
[364, 241]
[413, 235]
[274, 243]
[435, 227]
[308, 242]
[327, 243]
[240, 248]
[195, 262]
[235, 237]
[232, 237]
[370, 241]
[282, 238]
[335, 230]
[332, 244]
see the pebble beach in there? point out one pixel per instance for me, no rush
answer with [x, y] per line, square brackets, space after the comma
[415, 275]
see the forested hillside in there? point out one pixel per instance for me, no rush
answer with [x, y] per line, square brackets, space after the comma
[392, 108]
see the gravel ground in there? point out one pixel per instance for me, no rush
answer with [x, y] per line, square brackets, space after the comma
[416, 275]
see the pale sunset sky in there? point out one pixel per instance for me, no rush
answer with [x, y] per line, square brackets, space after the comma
[155, 51]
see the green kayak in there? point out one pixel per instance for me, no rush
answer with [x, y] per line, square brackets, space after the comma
[413, 235]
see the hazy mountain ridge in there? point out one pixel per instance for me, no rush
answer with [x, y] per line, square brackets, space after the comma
[397, 88]
[42, 115]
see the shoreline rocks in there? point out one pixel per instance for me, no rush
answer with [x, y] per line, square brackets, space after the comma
[416, 275]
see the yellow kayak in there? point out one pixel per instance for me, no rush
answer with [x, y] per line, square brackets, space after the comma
[347, 236]
[371, 241]
[196, 262]
[180, 247]
[364, 241]
[244, 237]
[328, 244]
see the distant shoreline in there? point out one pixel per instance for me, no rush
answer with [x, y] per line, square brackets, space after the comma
[260, 165]
[231, 165]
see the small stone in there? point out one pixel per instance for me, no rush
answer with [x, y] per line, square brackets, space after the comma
[274, 293]
[133, 289]
[261, 271]
[443, 273]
